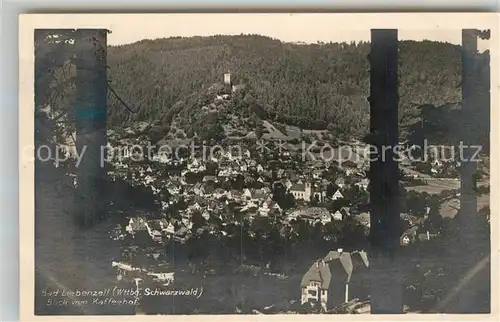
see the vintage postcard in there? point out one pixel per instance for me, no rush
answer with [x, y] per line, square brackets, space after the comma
[205, 164]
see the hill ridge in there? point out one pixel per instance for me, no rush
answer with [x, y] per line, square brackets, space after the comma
[328, 82]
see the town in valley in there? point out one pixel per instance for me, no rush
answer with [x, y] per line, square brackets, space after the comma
[220, 204]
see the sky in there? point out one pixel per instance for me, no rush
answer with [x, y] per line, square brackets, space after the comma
[308, 28]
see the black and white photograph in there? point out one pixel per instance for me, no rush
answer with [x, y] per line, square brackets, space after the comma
[245, 163]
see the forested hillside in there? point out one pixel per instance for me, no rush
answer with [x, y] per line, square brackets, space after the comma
[326, 82]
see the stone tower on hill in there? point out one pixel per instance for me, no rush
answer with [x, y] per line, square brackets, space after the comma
[227, 78]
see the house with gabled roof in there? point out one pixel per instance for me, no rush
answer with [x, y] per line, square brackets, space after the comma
[337, 195]
[247, 194]
[196, 206]
[338, 215]
[335, 279]
[136, 224]
[315, 284]
[341, 213]
[275, 206]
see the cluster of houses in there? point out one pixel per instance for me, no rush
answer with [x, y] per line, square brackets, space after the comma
[417, 230]
[199, 195]
[242, 182]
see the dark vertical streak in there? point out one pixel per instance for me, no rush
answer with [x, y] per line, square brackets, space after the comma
[91, 100]
[384, 187]
[468, 169]
[473, 292]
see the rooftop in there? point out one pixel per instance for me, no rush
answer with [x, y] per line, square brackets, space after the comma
[318, 272]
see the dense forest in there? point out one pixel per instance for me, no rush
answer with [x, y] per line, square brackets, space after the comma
[316, 86]
[324, 81]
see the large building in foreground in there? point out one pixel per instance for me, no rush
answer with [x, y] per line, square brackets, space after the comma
[336, 279]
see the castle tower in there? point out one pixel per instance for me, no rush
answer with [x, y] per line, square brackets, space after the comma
[227, 78]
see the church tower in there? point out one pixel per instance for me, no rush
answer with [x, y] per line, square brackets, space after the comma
[308, 191]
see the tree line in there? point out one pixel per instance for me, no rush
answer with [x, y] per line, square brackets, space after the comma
[315, 85]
